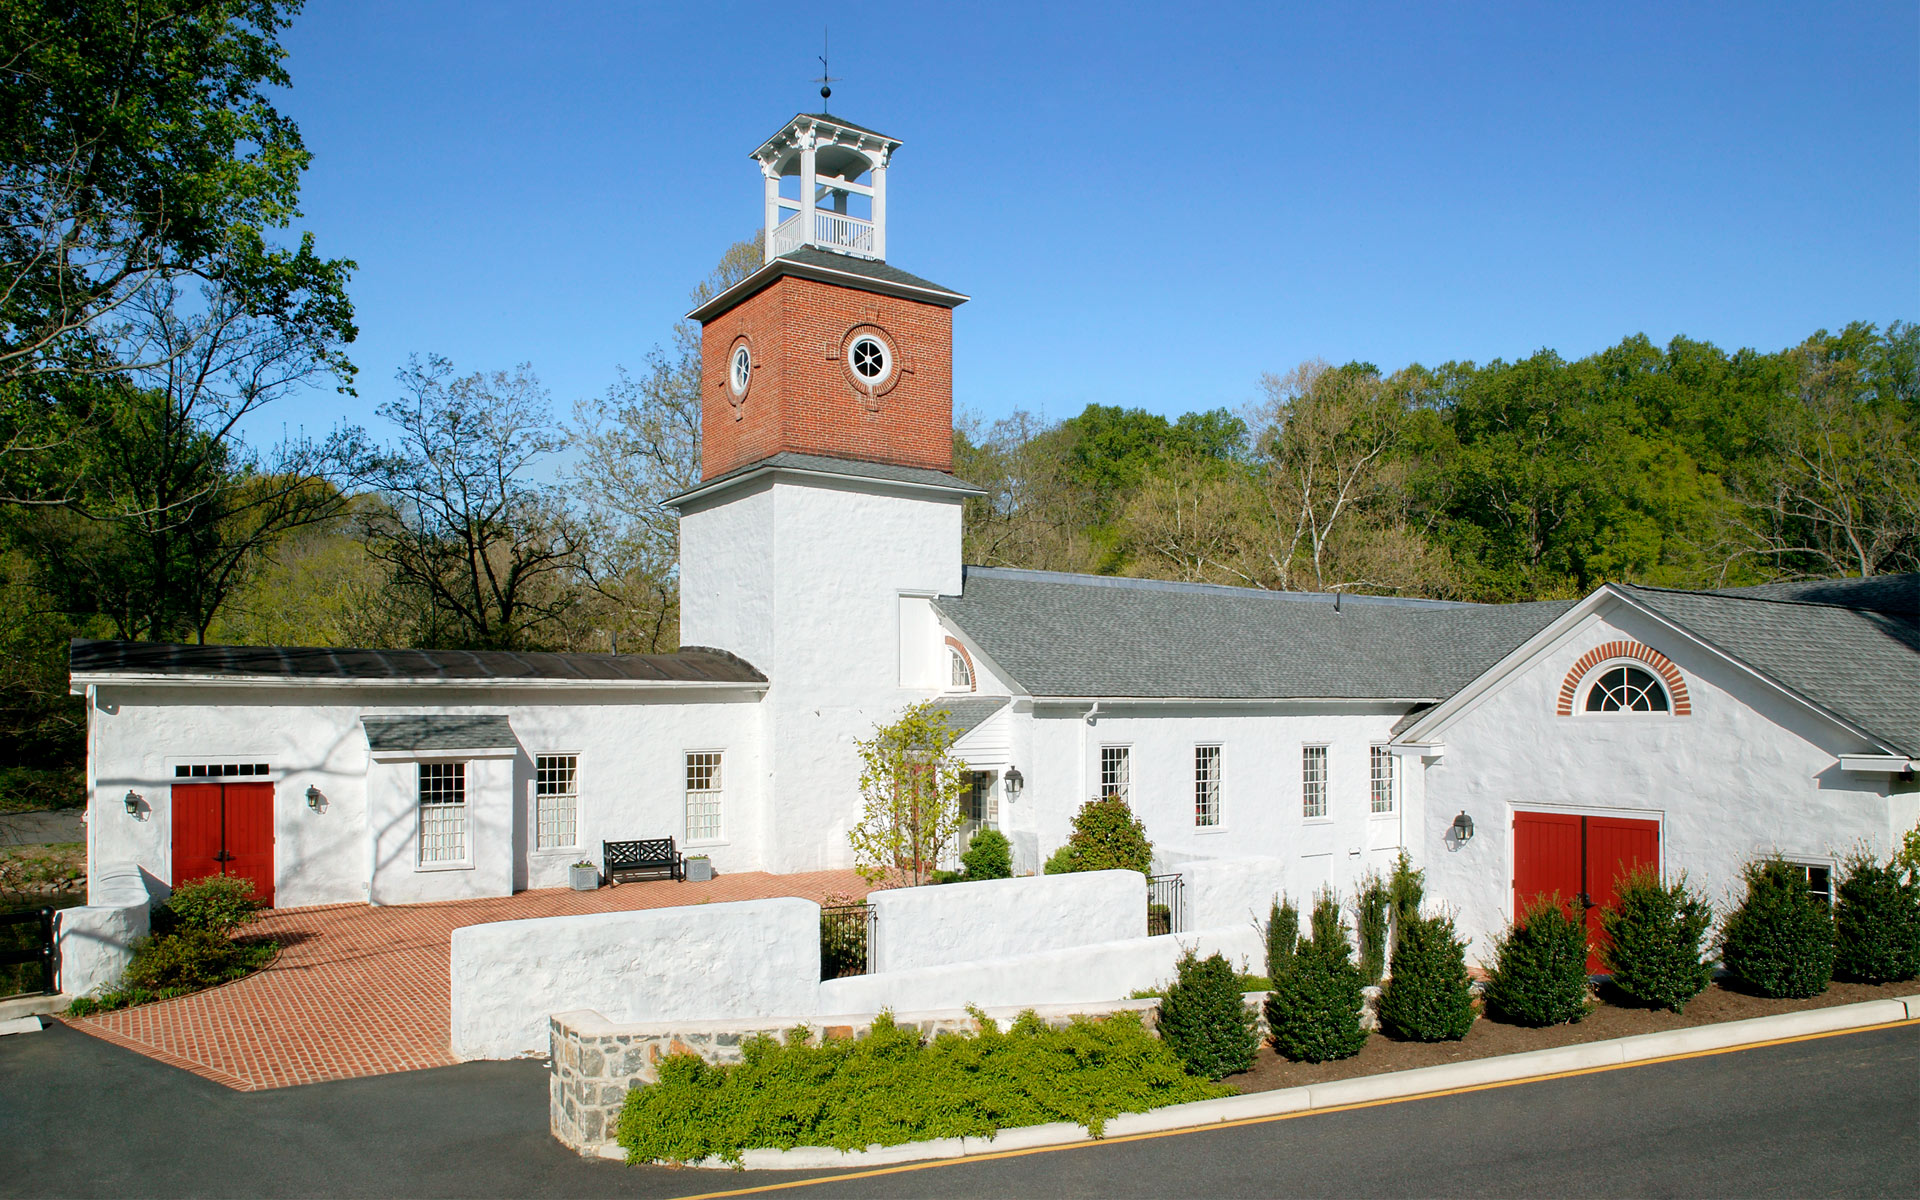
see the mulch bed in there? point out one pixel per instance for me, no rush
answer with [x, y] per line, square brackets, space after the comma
[1612, 1017]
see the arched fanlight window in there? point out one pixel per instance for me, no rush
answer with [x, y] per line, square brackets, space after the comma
[1626, 689]
[962, 673]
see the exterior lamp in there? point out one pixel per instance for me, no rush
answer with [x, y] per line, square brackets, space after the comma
[1463, 828]
[133, 803]
[1014, 781]
[313, 797]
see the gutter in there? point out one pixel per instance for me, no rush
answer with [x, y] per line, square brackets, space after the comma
[81, 682]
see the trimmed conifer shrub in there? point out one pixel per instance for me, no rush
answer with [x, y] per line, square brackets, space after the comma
[1428, 998]
[1876, 923]
[1371, 910]
[1314, 1009]
[1406, 888]
[1204, 1018]
[1283, 936]
[989, 856]
[1779, 942]
[1656, 940]
[1539, 974]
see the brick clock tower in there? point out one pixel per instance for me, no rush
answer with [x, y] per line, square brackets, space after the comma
[827, 517]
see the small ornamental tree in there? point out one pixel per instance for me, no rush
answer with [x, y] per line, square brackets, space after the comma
[1106, 837]
[988, 856]
[1656, 940]
[1314, 1009]
[1539, 974]
[1779, 942]
[1429, 997]
[1283, 936]
[1876, 919]
[912, 789]
[1204, 1019]
[1371, 910]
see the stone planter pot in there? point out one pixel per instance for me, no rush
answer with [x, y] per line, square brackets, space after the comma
[583, 879]
[699, 870]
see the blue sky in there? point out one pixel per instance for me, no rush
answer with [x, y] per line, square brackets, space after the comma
[1150, 206]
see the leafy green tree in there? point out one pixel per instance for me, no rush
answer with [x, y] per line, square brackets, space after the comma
[1106, 836]
[913, 793]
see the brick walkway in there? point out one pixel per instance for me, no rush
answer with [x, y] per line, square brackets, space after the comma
[359, 990]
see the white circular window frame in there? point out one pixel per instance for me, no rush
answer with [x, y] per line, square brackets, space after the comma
[1592, 681]
[739, 381]
[871, 382]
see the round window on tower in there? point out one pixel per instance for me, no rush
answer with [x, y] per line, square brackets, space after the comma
[740, 369]
[870, 359]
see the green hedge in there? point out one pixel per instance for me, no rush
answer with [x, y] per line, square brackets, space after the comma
[892, 1086]
[1539, 974]
[1429, 997]
[1656, 940]
[1876, 918]
[1314, 1008]
[1204, 1018]
[1779, 942]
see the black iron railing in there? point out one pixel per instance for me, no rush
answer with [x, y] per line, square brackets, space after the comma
[1165, 896]
[846, 939]
[26, 938]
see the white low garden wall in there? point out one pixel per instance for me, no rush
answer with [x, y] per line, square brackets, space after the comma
[1000, 918]
[1077, 975]
[94, 943]
[757, 958]
[1232, 891]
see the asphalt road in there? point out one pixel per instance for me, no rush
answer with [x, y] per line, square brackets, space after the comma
[1829, 1117]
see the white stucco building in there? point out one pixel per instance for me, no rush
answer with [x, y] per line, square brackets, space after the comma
[822, 590]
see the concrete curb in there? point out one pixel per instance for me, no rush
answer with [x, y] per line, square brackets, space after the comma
[1395, 1085]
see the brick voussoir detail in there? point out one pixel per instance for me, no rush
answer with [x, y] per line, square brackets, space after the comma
[1612, 651]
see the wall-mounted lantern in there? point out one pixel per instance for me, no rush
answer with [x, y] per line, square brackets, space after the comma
[1463, 828]
[133, 803]
[313, 797]
[1014, 781]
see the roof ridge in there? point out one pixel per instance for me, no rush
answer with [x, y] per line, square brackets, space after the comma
[1130, 582]
[1738, 594]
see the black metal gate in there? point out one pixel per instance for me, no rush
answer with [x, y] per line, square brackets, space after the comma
[26, 937]
[846, 939]
[1165, 898]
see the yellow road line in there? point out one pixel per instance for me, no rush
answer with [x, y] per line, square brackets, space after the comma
[903, 1168]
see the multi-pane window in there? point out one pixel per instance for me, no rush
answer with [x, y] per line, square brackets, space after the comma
[556, 797]
[1116, 773]
[443, 813]
[705, 791]
[959, 674]
[1313, 781]
[1819, 880]
[979, 797]
[1380, 778]
[1206, 785]
[1626, 689]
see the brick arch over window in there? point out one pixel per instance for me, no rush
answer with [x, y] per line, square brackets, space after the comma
[973, 674]
[1661, 664]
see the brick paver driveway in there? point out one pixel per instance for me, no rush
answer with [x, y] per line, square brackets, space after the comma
[359, 990]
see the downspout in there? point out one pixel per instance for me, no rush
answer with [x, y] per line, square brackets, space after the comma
[1086, 723]
[93, 858]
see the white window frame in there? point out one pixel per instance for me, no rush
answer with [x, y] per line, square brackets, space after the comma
[1117, 783]
[1205, 805]
[718, 795]
[572, 795]
[959, 663]
[421, 807]
[1807, 865]
[1309, 810]
[1377, 754]
[1592, 681]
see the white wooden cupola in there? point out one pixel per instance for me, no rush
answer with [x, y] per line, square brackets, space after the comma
[830, 208]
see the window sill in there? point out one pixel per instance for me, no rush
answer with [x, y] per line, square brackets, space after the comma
[1316, 820]
[556, 851]
[1382, 816]
[434, 868]
[705, 844]
[1209, 830]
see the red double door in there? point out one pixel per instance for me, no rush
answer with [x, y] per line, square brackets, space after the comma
[1580, 859]
[224, 829]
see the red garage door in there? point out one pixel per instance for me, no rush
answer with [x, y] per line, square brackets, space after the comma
[1578, 859]
[224, 829]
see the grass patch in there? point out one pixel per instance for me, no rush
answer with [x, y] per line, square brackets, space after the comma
[892, 1086]
[1242, 980]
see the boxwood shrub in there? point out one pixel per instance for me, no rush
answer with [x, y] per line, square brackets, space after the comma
[1106, 837]
[1779, 942]
[1876, 923]
[1539, 972]
[1314, 1008]
[989, 856]
[1428, 997]
[1204, 1018]
[1656, 940]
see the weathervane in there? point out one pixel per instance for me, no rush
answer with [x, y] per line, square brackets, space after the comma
[826, 77]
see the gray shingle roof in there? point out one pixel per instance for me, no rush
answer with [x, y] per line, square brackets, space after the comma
[692, 664]
[853, 468]
[1880, 593]
[1859, 663]
[438, 733]
[1076, 635]
[967, 713]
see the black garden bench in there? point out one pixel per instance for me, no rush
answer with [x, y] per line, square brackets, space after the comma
[631, 860]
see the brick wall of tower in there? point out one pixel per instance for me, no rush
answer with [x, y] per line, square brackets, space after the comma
[802, 399]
